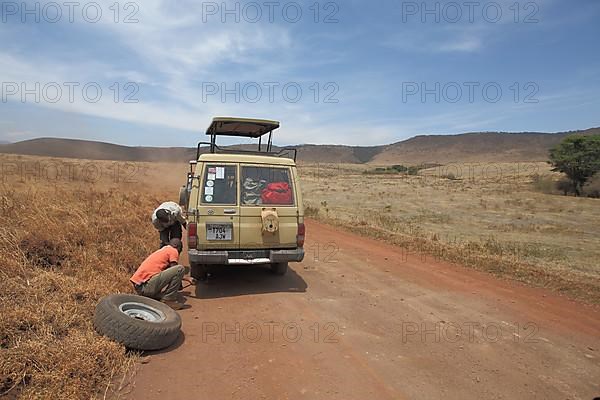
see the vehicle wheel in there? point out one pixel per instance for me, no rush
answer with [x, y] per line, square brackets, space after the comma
[183, 196]
[137, 322]
[279, 268]
[199, 272]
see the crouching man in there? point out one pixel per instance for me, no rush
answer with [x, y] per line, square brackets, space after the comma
[160, 275]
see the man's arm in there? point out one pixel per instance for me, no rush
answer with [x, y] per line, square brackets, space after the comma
[173, 257]
[181, 218]
[158, 225]
[177, 213]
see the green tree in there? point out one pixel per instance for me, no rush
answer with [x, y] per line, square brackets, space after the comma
[578, 157]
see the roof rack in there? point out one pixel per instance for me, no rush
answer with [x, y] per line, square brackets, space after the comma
[287, 152]
[243, 127]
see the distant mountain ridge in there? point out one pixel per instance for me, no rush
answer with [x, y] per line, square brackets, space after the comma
[465, 147]
[475, 147]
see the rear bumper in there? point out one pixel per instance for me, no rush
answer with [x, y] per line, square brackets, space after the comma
[250, 257]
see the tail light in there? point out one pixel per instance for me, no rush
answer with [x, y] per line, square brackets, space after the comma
[300, 235]
[192, 231]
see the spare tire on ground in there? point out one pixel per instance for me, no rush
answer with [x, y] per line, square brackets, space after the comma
[137, 322]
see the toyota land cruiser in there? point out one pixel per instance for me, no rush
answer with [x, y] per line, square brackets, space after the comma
[244, 206]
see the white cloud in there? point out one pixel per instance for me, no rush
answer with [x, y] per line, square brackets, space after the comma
[180, 51]
[171, 52]
[463, 44]
[173, 38]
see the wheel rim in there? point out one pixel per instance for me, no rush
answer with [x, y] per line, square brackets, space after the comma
[142, 311]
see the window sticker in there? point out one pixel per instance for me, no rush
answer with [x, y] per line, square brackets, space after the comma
[220, 191]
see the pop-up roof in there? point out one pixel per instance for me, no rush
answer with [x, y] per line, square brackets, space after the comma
[244, 127]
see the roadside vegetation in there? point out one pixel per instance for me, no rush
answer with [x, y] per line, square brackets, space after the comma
[488, 216]
[66, 243]
[578, 157]
[399, 169]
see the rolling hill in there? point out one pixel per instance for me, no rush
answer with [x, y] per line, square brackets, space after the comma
[74, 148]
[466, 147]
[474, 147]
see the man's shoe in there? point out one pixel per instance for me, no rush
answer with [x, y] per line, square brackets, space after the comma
[174, 304]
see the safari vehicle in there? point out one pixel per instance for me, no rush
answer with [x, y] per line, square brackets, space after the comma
[244, 206]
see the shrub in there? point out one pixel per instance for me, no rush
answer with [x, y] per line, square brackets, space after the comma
[578, 157]
[413, 170]
[565, 186]
[592, 188]
[399, 168]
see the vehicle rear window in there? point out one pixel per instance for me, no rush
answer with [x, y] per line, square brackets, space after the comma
[266, 186]
[220, 184]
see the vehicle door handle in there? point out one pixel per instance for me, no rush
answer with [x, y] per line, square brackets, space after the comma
[229, 211]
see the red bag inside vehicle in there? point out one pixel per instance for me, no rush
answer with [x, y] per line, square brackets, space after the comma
[277, 193]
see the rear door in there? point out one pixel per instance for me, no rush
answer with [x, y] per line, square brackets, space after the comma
[263, 186]
[219, 212]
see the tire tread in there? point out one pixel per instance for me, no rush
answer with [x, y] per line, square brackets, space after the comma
[133, 333]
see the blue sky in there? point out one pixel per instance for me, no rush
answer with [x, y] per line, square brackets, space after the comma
[352, 73]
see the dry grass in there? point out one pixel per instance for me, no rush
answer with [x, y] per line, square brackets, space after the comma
[487, 216]
[64, 244]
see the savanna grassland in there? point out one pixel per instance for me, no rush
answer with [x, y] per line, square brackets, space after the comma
[490, 217]
[74, 230]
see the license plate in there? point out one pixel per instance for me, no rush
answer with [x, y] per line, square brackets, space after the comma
[219, 231]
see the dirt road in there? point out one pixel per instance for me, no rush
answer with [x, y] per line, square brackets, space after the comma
[359, 319]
